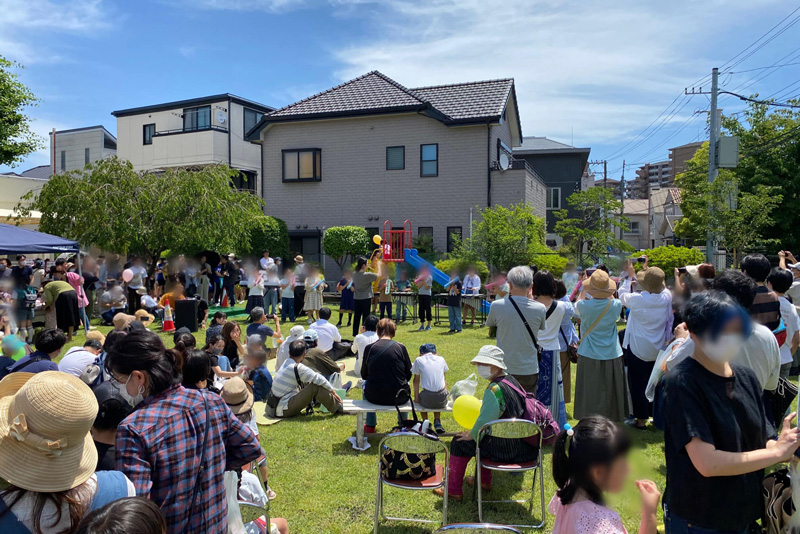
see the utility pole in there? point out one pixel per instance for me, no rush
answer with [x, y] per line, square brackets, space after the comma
[622, 199]
[713, 139]
[605, 185]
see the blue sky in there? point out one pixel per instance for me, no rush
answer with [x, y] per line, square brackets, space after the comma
[587, 72]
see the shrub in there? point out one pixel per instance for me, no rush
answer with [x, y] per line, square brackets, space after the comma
[670, 257]
[549, 261]
[345, 242]
[271, 234]
[461, 266]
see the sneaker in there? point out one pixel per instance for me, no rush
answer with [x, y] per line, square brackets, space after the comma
[427, 328]
[346, 387]
[439, 492]
[437, 426]
[271, 495]
[422, 327]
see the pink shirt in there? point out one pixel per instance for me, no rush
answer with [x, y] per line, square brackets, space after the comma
[584, 517]
[76, 281]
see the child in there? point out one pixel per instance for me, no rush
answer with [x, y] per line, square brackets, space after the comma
[779, 281]
[315, 285]
[403, 284]
[588, 461]
[26, 308]
[259, 376]
[347, 303]
[255, 295]
[385, 285]
[429, 372]
[287, 296]
[454, 302]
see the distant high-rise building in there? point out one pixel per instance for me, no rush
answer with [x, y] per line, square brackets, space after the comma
[661, 175]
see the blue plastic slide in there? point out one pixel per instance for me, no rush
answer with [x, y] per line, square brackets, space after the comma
[412, 258]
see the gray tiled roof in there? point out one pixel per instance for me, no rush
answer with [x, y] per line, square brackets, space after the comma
[372, 91]
[42, 171]
[473, 100]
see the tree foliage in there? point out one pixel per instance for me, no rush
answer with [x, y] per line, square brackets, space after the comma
[670, 257]
[343, 243]
[271, 234]
[595, 229]
[506, 237]
[739, 218]
[16, 138]
[110, 205]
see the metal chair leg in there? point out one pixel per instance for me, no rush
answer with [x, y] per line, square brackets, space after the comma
[478, 486]
[446, 479]
[378, 504]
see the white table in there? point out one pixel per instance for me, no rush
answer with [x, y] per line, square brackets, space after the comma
[361, 407]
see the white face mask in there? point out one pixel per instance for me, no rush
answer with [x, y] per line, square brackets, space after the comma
[724, 348]
[133, 400]
[485, 371]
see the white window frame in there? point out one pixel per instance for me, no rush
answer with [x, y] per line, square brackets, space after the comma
[548, 198]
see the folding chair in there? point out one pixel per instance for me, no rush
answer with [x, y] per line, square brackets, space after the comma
[411, 443]
[253, 467]
[475, 528]
[511, 429]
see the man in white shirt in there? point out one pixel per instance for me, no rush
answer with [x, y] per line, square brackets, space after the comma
[648, 330]
[77, 359]
[266, 261]
[368, 336]
[139, 276]
[471, 286]
[288, 398]
[327, 332]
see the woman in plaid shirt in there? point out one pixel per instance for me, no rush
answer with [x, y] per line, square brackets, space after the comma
[177, 444]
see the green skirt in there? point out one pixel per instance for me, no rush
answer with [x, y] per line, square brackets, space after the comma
[601, 389]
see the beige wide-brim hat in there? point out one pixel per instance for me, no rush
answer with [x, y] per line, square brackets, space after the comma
[122, 321]
[651, 280]
[298, 259]
[600, 286]
[45, 443]
[97, 335]
[144, 317]
[238, 395]
[490, 355]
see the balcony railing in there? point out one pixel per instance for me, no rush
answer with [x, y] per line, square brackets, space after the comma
[518, 165]
[213, 127]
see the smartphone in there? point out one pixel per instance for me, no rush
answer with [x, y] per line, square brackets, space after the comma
[590, 272]
[682, 270]
[641, 259]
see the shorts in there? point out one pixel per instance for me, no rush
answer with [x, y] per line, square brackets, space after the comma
[432, 399]
[25, 314]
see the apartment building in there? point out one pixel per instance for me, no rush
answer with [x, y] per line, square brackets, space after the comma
[73, 149]
[371, 150]
[650, 177]
[193, 133]
[561, 167]
[680, 155]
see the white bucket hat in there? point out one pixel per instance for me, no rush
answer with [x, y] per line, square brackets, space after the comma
[490, 355]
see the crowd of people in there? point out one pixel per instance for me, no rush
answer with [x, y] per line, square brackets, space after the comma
[124, 425]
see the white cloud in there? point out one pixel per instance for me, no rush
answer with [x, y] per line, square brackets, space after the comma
[271, 6]
[24, 21]
[600, 69]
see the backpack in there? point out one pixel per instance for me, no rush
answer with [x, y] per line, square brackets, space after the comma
[538, 413]
[30, 298]
[93, 374]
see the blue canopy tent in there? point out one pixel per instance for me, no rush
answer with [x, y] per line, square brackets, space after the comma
[16, 240]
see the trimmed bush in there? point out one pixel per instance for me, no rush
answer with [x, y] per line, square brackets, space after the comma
[670, 257]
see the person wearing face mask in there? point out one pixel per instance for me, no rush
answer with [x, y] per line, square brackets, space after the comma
[205, 439]
[717, 434]
[503, 399]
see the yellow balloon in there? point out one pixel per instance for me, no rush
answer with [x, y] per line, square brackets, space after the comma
[466, 409]
[376, 239]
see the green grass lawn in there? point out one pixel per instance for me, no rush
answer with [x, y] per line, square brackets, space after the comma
[323, 485]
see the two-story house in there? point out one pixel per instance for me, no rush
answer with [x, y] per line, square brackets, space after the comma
[193, 133]
[371, 150]
[73, 149]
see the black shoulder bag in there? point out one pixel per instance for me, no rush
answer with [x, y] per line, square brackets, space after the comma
[528, 327]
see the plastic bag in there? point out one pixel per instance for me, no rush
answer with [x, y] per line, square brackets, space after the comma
[464, 387]
[235, 524]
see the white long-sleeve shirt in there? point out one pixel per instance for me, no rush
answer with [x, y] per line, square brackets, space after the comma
[649, 323]
[285, 386]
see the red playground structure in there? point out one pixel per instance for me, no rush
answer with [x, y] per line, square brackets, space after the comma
[394, 242]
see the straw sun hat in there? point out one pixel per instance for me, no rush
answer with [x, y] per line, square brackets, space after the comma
[599, 285]
[651, 280]
[238, 395]
[45, 443]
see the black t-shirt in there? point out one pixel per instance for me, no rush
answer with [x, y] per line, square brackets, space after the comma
[231, 350]
[387, 370]
[106, 457]
[454, 296]
[202, 308]
[729, 414]
[89, 281]
[21, 275]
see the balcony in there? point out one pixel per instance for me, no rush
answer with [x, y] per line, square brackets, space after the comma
[164, 133]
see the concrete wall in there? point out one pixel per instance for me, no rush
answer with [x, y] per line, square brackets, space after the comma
[74, 145]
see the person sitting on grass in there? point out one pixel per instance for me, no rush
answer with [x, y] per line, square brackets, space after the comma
[258, 318]
[220, 364]
[131, 514]
[588, 461]
[296, 385]
[317, 359]
[429, 373]
[112, 410]
[172, 297]
[217, 322]
[48, 344]
[259, 377]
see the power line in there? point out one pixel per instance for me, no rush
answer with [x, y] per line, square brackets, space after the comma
[766, 102]
[762, 68]
[765, 43]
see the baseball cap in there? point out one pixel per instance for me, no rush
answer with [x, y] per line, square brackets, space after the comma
[426, 348]
[310, 335]
[795, 266]
[12, 343]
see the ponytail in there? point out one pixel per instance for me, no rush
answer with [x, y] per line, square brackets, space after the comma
[595, 440]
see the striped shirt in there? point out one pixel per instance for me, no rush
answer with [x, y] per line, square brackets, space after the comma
[285, 386]
[766, 308]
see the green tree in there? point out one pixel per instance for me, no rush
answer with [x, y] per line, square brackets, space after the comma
[110, 205]
[16, 138]
[342, 243]
[506, 237]
[740, 219]
[597, 225]
[270, 234]
[670, 257]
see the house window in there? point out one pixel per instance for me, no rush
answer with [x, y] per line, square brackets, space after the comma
[425, 230]
[302, 165]
[554, 198]
[251, 118]
[634, 228]
[148, 131]
[429, 160]
[245, 181]
[453, 237]
[395, 158]
[197, 118]
[63, 160]
[86, 156]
